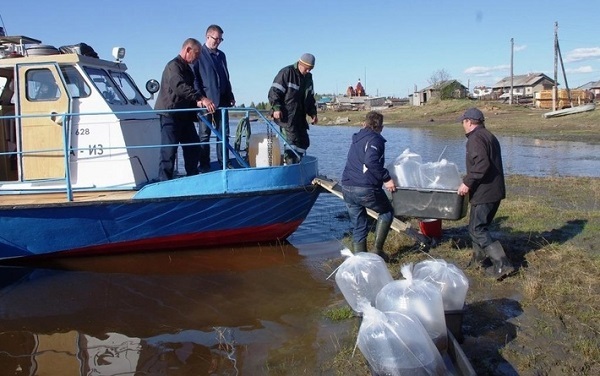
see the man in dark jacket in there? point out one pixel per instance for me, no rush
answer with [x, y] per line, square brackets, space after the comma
[212, 79]
[362, 182]
[177, 92]
[292, 98]
[484, 182]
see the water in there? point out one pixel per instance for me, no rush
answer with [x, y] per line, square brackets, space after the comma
[245, 311]
[521, 156]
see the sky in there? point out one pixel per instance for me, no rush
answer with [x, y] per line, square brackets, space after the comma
[392, 46]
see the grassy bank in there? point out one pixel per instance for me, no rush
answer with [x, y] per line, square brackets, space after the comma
[502, 119]
[543, 320]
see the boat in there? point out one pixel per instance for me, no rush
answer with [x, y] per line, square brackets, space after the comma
[79, 165]
[570, 110]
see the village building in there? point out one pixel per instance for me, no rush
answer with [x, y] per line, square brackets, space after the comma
[593, 87]
[442, 90]
[525, 85]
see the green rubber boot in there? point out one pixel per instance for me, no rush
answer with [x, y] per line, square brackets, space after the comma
[360, 247]
[381, 233]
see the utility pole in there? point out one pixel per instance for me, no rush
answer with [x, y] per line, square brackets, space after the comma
[562, 66]
[512, 48]
[365, 86]
[555, 88]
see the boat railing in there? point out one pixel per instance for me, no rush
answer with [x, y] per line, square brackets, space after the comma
[246, 124]
[11, 154]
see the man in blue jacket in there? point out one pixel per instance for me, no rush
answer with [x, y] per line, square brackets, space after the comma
[362, 181]
[212, 79]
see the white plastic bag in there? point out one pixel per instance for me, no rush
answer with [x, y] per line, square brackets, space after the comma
[440, 175]
[360, 277]
[405, 169]
[397, 344]
[420, 298]
[449, 279]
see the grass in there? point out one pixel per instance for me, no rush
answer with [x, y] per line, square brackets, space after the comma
[502, 119]
[546, 317]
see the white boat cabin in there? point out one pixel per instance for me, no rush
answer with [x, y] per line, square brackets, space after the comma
[67, 109]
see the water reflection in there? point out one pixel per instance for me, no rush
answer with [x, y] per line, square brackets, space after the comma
[222, 311]
[521, 156]
[244, 311]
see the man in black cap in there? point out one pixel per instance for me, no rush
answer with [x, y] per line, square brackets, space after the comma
[484, 183]
[292, 98]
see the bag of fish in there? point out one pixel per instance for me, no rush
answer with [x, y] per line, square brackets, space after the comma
[360, 277]
[420, 298]
[396, 343]
[448, 278]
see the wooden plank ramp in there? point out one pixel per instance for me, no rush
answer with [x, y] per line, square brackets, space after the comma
[333, 187]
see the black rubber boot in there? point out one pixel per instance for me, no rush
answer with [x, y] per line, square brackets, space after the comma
[501, 267]
[477, 257]
[381, 233]
[360, 246]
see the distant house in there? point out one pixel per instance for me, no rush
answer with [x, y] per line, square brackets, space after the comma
[593, 86]
[445, 89]
[481, 92]
[525, 85]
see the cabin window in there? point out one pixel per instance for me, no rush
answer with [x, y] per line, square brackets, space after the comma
[76, 85]
[127, 86]
[41, 85]
[106, 86]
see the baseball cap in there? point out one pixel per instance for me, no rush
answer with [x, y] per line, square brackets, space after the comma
[473, 114]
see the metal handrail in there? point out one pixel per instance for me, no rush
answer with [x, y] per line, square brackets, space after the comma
[68, 149]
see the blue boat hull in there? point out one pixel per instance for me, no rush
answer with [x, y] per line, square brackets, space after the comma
[148, 224]
[220, 208]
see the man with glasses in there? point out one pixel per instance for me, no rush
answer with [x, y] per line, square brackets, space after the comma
[212, 79]
[292, 98]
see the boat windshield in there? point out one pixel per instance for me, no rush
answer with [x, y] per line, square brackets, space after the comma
[106, 86]
[128, 87]
[76, 85]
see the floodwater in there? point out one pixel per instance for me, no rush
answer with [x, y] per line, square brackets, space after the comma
[235, 311]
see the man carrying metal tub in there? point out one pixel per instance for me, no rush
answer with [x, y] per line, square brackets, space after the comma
[484, 182]
[362, 181]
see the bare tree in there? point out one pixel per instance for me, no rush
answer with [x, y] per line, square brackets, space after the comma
[441, 84]
[438, 78]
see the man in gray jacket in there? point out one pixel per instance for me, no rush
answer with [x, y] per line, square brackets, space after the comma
[484, 182]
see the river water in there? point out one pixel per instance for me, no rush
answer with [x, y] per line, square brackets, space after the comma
[235, 311]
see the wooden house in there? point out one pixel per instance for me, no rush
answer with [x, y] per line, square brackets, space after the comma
[443, 90]
[525, 85]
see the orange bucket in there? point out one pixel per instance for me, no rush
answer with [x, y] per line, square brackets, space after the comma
[431, 227]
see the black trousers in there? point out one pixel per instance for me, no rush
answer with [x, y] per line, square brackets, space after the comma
[177, 131]
[205, 132]
[480, 219]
